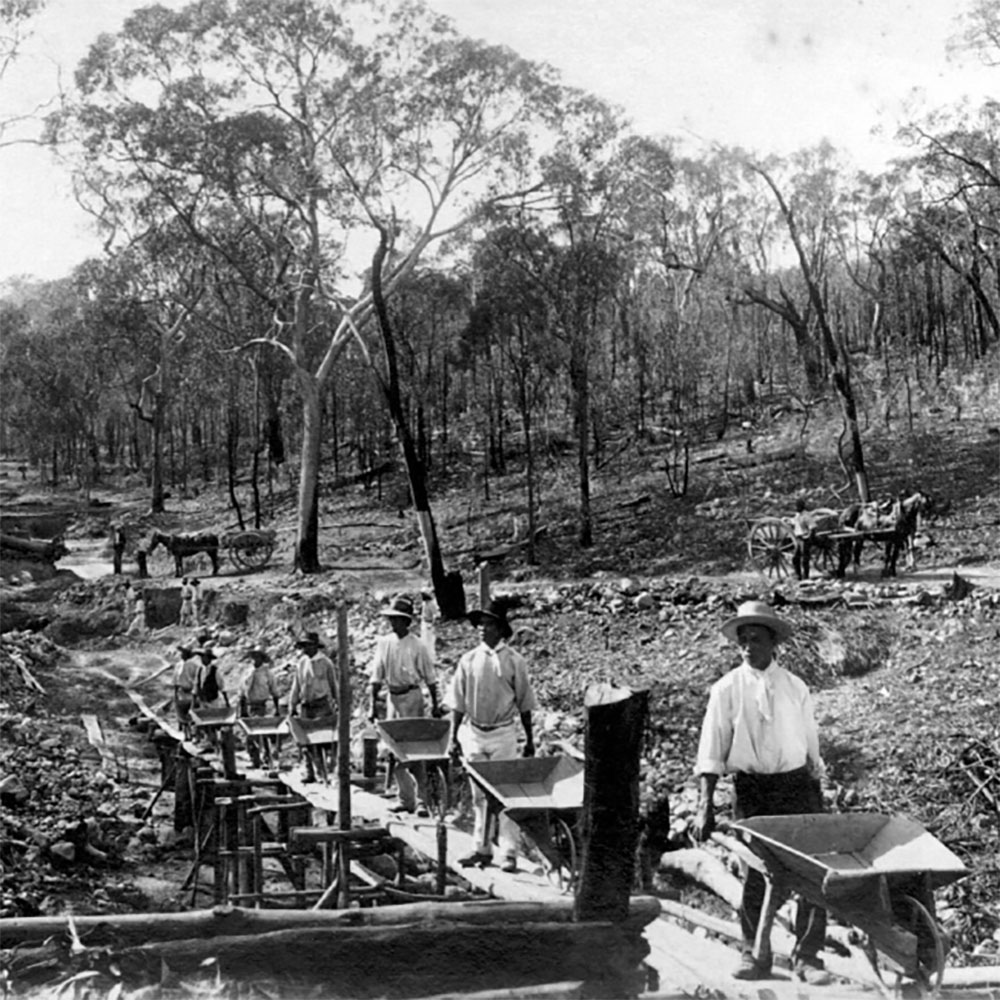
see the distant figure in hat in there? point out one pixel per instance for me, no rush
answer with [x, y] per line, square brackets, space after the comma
[185, 682]
[257, 689]
[209, 692]
[759, 726]
[314, 688]
[402, 662]
[489, 692]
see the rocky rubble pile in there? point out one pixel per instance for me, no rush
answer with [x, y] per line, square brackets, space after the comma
[65, 823]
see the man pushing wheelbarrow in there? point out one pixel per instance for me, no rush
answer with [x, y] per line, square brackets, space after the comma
[489, 692]
[760, 727]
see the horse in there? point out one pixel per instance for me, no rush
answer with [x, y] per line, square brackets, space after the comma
[905, 516]
[858, 517]
[180, 546]
[899, 517]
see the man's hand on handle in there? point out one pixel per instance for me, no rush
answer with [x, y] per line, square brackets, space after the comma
[704, 821]
[704, 817]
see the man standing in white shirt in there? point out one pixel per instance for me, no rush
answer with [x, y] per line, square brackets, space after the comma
[489, 691]
[402, 662]
[759, 726]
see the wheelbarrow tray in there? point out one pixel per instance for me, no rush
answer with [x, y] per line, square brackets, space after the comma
[313, 732]
[416, 739]
[528, 785]
[846, 855]
[208, 718]
[264, 725]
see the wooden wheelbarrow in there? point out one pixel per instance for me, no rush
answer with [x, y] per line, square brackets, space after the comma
[265, 730]
[317, 738]
[422, 740]
[874, 871]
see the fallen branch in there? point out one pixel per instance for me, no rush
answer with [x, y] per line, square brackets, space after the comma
[235, 921]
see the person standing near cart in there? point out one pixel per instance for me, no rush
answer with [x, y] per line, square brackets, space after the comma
[314, 688]
[402, 662]
[760, 727]
[489, 692]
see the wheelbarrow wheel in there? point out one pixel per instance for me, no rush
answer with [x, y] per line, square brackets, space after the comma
[930, 944]
[563, 875]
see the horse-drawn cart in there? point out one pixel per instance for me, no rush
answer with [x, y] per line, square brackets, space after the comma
[831, 539]
[771, 542]
[876, 872]
[248, 550]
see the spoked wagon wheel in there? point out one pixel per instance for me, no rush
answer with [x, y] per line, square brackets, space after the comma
[257, 554]
[771, 545]
[250, 551]
[563, 874]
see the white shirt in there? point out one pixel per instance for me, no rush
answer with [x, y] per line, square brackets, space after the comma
[491, 686]
[759, 722]
[401, 662]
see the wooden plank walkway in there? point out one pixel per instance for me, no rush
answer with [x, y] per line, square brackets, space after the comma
[686, 964]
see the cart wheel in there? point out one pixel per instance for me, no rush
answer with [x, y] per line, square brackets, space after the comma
[236, 555]
[930, 944]
[257, 554]
[564, 874]
[771, 545]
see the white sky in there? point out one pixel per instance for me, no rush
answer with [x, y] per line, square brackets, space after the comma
[770, 75]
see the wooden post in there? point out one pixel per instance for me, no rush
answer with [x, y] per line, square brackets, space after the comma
[227, 743]
[343, 751]
[615, 726]
[484, 584]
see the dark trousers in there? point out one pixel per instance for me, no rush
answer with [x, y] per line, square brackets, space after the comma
[779, 795]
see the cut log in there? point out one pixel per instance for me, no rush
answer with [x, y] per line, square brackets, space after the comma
[32, 548]
[234, 921]
[412, 960]
[707, 870]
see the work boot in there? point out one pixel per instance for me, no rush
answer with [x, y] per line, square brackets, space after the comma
[812, 971]
[475, 858]
[750, 969]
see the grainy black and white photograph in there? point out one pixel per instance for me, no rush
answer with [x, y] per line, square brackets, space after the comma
[499, 500]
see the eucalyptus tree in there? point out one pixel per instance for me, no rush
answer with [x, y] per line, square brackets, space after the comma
[953, 205]
[53, 380]
[511, 319]
[810, 211]
[346, 137]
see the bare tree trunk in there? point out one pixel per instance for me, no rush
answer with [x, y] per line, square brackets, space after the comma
[838, 358]
[448, 589]
[307, 541]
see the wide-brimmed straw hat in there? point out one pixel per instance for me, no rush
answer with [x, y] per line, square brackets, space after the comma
[257, 653]
[401, 607]
[757, 613]
[310, 639]
[496, 611]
